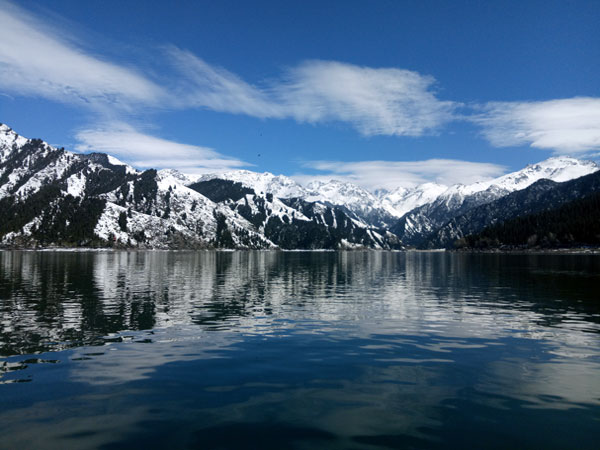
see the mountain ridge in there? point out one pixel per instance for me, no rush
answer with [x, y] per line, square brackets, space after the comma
[46, 191]
[234, 209]
[416, 225]
[542, 195]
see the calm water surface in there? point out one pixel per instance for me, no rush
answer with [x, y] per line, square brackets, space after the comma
[349, 350]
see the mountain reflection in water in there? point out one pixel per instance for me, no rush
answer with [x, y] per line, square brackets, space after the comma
[299, 349]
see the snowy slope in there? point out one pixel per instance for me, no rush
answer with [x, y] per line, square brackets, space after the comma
[402, 200]
[458, 199]
[50, 196]
[47, 191]
[8, 140]
[295, 222]
[262, 183]
[365, 205]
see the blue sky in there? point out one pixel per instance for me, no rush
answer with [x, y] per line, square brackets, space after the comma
[381, 93]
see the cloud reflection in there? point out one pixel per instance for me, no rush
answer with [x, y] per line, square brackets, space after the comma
[357, 348]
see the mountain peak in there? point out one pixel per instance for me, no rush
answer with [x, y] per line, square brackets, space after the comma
[556, 168]
[8, 139]
[266, 182]
[176, 174]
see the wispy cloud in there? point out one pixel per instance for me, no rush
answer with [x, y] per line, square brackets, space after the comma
[147, 151]
[565, 126]
[34, 60]
[203, 85]
[384, 101]
[38, 60]
[392, 174]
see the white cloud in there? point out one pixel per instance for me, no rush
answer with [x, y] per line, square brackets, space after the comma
[383, 101]
[564, 126]
[146, 151]
[375, 101]
[392, 174]
[218, 89]
[38, 60]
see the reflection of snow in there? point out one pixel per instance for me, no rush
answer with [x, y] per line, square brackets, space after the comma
[202, 303]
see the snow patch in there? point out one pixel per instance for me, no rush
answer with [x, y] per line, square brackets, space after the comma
[116, 162]
[76, 185]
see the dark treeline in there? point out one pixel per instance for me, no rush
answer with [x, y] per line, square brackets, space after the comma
[576, 223]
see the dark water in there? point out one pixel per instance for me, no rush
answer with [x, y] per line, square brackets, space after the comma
[362, 350]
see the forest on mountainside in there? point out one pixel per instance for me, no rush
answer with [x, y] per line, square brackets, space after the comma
[574, 224]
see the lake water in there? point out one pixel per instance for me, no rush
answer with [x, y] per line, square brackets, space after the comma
[364, 350]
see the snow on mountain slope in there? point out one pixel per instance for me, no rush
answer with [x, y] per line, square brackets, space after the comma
[180, 177]
[356, 199]
[371, 209]
[456, 200]
[262, 183]
[115, 162]
[192, 208]
[560, 168]
[362, 203]
[402, 200]
[8, 139]
[26, 165]
[178, 217]
[49, 195]
[294, 222]
[340, 193]
[544, 195]
[54, 197]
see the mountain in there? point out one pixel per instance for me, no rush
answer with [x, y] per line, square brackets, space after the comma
[262, 183]
[415, 227]
[399, 201]
[295, 222]
[381, 210]
[352, 198]
[574, 224]
[541, 196]
[49, 196]
[357, 201]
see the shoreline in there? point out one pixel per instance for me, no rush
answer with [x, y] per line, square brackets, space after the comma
[534, 251]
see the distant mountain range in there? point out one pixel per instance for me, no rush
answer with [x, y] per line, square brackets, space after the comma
[547, 214]
[53, 197]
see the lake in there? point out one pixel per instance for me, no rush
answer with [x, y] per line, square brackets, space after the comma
[341, 350]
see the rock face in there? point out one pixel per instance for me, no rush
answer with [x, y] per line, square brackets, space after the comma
[52, 197]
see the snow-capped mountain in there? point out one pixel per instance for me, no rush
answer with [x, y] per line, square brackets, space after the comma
[262, 183]
[49, 196]
[369, 208]
[543, 195]
[417, 224]
[295, 222]
[355, 199]
[402, 200]
[52, 196]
